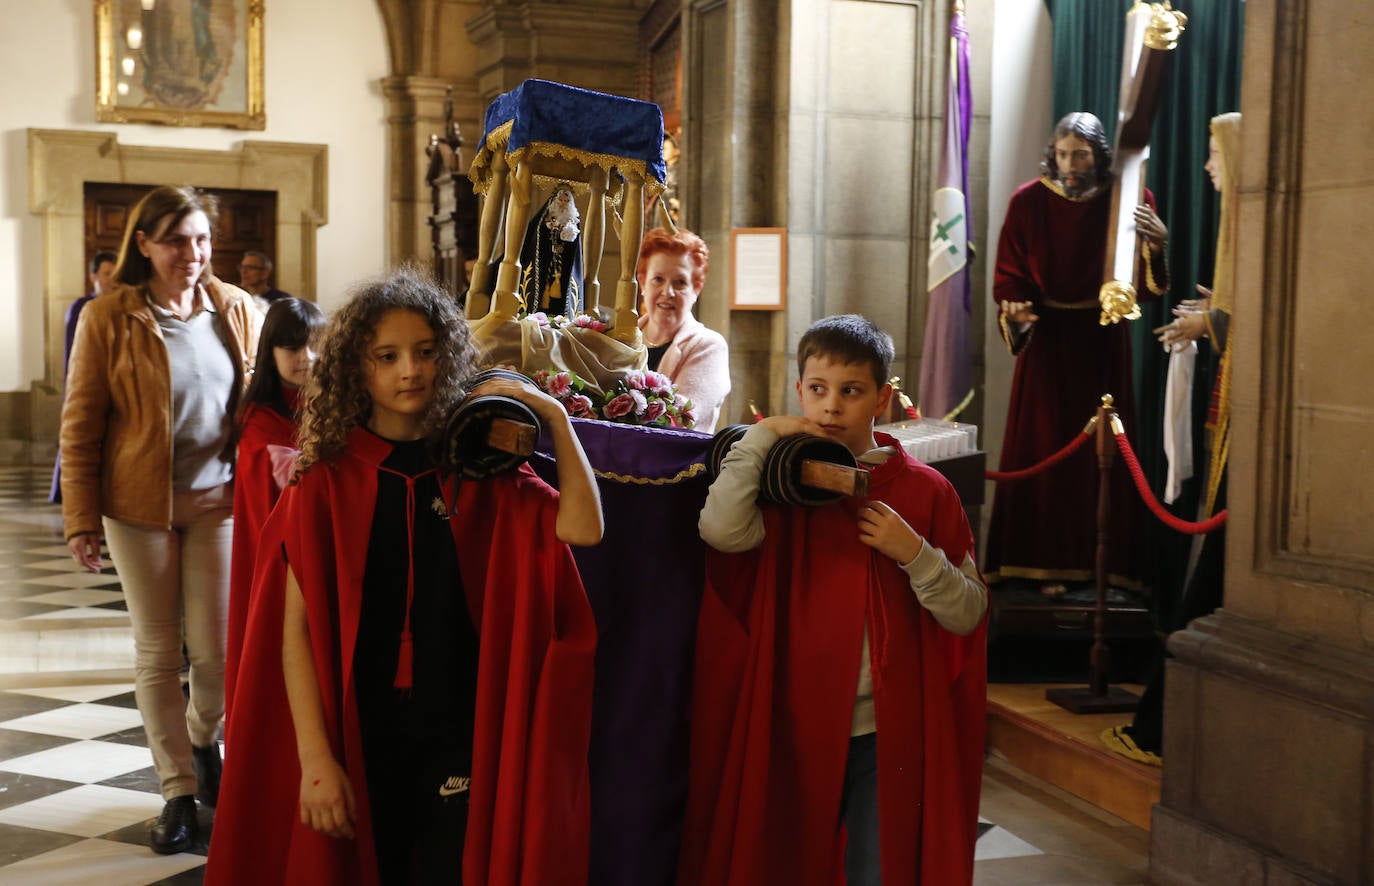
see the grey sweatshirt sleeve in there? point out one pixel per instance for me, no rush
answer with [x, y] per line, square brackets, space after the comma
[731, 520]
[955, 596]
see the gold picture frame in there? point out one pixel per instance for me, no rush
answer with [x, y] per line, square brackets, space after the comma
[145, 75]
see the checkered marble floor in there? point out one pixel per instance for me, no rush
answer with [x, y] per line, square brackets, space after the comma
[77, 788]
[78, 792]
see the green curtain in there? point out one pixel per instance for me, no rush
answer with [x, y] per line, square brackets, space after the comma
[1203, 81]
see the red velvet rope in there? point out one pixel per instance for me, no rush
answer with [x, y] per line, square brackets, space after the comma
[1216, 521]
[1074, 445]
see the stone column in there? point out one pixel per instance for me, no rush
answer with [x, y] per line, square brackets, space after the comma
[1269, 714]
[784, 128]
[415, 110]
[735, 59]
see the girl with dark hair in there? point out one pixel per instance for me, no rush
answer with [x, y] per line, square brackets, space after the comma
[417, 660]
[287, 350]
[156, 373]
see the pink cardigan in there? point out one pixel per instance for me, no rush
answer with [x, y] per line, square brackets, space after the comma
[698, 362]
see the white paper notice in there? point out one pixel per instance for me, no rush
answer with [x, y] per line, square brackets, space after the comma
[760, 278]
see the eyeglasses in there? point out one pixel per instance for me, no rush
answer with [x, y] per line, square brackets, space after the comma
[243, 267]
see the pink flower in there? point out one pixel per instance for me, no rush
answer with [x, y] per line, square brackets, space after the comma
[559, 385]
[540, 317]
[587, 321]
[641, 402]
[654, 411]
[658, 382]
[580, 406]
[681, 402]
[689, 418]
[635, 381]
[619, 406]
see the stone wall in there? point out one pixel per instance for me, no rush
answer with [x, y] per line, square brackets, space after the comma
[1269, 736]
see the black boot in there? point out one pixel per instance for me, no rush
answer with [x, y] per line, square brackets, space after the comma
[209, 766]
[176, 826]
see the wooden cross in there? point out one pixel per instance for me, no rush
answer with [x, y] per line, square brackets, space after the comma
[1152, 32]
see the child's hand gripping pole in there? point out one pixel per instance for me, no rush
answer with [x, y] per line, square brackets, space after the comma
[490, 432]
[800, 469]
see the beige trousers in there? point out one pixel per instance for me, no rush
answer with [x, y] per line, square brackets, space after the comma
[176, 584]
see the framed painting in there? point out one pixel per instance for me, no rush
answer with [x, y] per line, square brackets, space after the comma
[180, 62]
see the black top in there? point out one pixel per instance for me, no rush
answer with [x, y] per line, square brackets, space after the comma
[656, 355]
[440, 706]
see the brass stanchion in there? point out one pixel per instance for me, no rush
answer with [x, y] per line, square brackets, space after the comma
[1098, 697]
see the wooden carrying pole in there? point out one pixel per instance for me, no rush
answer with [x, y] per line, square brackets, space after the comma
[1099, 697]
[515, 437]
[834, 478]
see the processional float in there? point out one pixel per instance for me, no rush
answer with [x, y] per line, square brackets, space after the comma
[608, 150]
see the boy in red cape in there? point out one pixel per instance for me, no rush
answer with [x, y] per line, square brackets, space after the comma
[839, 702]
[414, 697]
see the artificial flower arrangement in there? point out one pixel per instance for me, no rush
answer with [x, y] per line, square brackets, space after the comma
[641, 397]
[558, 321]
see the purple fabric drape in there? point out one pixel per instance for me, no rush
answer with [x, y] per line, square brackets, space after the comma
[946, 374]
[644, 581]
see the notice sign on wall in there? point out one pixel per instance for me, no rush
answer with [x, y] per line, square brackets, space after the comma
[758, 269]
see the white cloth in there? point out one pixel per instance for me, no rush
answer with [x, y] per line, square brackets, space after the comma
[1178, 419]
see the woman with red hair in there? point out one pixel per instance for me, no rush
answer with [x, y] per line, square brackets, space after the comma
[671, 272]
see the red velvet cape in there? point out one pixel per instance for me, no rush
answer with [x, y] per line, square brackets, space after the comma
[255, 492]
[1044, 528]
[530, 798]
[778, 646]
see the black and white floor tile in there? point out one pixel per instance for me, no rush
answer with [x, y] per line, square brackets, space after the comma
[78, 792]
[77, 788]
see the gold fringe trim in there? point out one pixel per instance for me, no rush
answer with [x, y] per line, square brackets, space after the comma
[1007, 336]
[686, 474]
[1118, 742]
[499, 138]
[1221, 437]
[1146, 253]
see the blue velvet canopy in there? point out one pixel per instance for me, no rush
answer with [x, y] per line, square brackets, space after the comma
[618, 134]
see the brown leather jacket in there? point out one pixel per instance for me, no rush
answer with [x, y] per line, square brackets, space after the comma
[117, 418]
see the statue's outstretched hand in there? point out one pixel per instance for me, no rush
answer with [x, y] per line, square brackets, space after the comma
[1019, 312]
[1198, 304]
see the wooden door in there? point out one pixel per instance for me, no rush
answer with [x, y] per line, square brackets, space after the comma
[247, 220]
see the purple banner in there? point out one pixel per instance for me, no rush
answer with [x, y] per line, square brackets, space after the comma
[946, 373]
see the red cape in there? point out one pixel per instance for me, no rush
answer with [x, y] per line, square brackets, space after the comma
[255, 492]
[778, 646]
[529, 805]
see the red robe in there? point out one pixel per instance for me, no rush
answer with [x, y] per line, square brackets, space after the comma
[529, 804]
[778, 646]
[255, 492]
[1045, 527]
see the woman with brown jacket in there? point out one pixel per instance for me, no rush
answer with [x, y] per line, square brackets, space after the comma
[156, 371]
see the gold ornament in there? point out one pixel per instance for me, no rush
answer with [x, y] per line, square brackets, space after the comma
[1117, 299]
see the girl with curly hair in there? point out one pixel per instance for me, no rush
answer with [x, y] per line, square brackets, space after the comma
[266, 423]
[425, 655]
